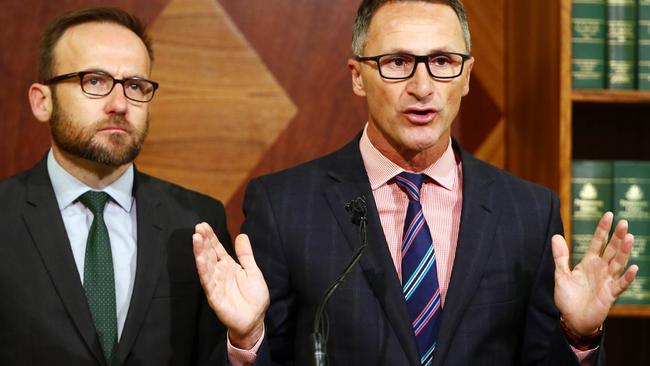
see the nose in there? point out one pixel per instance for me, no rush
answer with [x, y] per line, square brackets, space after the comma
[117, 102]
[421, 85]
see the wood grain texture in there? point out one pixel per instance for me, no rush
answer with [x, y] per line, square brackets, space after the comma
[487, 26]
[611, 96]
[565, 127]
[493, 149]
[533, 91]
[218, 109]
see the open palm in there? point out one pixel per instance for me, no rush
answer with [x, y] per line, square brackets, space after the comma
[236, 291]
[585, 295]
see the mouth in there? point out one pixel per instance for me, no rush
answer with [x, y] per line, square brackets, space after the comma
[114, 128]
[420, 115]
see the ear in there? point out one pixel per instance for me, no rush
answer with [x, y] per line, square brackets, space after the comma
[357, 80]
[469, 64]
[40, 99]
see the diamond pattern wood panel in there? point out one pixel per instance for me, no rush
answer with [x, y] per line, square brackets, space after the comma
[218, 109]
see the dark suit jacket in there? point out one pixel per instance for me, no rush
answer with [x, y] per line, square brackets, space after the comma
[499, 308]
[44, 317]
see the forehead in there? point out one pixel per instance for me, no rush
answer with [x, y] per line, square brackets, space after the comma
[414, 26]
[103, 46]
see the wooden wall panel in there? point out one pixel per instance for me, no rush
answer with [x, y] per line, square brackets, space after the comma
[218, 109]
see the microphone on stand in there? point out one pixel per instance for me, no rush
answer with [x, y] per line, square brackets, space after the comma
[358, 216]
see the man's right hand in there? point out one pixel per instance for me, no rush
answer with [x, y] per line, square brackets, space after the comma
[236, 292]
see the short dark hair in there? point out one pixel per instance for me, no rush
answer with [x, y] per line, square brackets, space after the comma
[368, 8]
[60, 25]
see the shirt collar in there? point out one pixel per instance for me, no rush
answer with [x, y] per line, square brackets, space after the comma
[67, 188]
[381, 170]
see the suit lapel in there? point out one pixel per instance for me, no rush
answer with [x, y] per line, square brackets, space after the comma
[43, 220]
[479, 219]
[150, 242]
[349, 181]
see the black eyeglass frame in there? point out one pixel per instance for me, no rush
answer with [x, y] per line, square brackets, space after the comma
[81, 75]
[418, 59]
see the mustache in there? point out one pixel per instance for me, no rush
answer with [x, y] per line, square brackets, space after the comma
[115, 121]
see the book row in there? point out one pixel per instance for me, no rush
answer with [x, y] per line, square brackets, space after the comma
[622, 187]
[611, 44]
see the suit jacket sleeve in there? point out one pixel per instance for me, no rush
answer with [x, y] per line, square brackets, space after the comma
[261, 226]
[542, 317]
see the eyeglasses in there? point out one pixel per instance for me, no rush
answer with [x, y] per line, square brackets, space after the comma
[101, 84]
[401, 66]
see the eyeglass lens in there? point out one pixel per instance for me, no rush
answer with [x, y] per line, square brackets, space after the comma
[102, 84]
[402, 65]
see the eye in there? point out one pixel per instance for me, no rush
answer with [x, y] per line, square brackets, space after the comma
[440, 60]
[397, 61]
[138, 86]
[95, 80]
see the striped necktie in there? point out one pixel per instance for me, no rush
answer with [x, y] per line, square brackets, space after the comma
[99, 283]
[419, 273]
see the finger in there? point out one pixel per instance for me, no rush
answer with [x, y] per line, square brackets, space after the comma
[212, 240]
[200, 242]
[202, 258]
[625, 281]
[618, 264]
[599, 240]
[244, 252]
[204, 229]
[560, 253]
[615, 243]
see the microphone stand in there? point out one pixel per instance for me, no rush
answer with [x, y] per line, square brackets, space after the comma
[319, 337]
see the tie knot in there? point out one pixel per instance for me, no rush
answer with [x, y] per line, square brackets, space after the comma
[95, 201]
[411, 183]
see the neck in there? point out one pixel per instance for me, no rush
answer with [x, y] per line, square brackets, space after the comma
[90, 173]
[411, 160]
[416, 161]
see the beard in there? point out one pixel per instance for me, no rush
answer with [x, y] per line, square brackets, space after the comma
[82, 140]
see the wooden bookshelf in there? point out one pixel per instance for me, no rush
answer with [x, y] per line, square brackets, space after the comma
[611, 96]
[550, 124]
[586, 117]
[630, 311]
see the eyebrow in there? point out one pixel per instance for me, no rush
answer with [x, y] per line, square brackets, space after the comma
[430, 52]
[99, 70]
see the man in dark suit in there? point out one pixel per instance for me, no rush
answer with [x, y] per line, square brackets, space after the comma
[96, 259]
[459, 267]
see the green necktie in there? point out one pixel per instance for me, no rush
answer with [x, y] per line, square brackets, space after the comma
[99, 284]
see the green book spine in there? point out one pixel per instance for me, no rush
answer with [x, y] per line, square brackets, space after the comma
[621, 43]
[591, 186]
[588, 44]
[644, 44]
[632, 203]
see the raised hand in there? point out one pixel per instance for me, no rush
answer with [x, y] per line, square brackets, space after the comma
[236, 291]
[585, 295]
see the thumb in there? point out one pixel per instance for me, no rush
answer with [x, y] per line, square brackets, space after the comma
[245, 252]
[560, 253]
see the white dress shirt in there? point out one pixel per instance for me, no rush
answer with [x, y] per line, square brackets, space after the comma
[121, 221]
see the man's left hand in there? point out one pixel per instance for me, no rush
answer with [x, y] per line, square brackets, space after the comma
[585, 295]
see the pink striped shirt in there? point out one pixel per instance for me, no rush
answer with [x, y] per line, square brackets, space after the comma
[441, 199]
